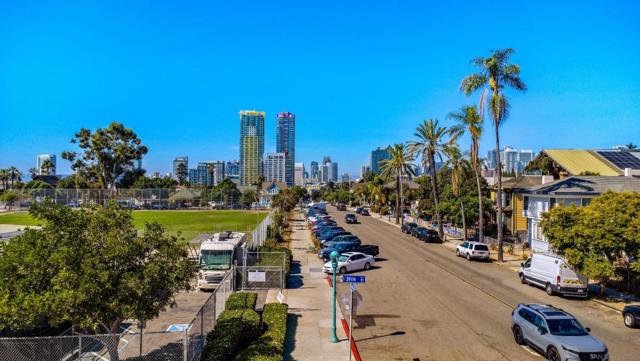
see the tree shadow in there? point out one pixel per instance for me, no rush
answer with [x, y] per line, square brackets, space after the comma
[290, 339]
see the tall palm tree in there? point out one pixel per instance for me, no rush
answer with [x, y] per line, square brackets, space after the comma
[497, 73]
[46, 167]
[400, 162]
[14, 175]
[432, 140]
[458, 166]
[4, 177]
[631, 146]
[470, 121]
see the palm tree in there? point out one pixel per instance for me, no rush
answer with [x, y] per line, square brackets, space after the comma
[46, 167]
[631, 146]
[469, 120]
[399, 163]
[14, 175]
[432, 140]
[4, 177]
[458, 166]
[498, 73]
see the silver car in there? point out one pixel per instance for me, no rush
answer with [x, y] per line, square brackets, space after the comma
[556, 334]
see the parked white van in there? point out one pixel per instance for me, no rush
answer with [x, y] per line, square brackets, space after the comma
[554, 275]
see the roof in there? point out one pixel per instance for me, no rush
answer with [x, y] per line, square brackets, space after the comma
[266, 185]
[577, 161]
[520, 182]
[405, 183]
[587, 185]
[185, 195]
[549, 311]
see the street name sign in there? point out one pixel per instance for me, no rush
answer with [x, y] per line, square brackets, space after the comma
[353, 279]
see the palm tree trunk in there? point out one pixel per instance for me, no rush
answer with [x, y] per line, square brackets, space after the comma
[436, 198]
[480, 208]
[464, 219]
[499, 191]
[397, 199]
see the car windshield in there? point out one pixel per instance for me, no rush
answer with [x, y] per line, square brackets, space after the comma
[566, 327]
[215, 260]
[342, 258]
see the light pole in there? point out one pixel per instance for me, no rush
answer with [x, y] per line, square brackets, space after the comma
[334, 265]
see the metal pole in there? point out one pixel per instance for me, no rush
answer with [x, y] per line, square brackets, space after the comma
[141, 331]
[350, 320]
[185, 352]
[334, 264]
[79, 347]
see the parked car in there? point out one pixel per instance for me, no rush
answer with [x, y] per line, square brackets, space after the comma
[343, 247]
[554, 275]
[322, 232]
[341, 207]
[349, 262]
[327, 237]
[359, 210]
[428, 235]
[416, 230]
[351, 218]
[347, 238]
[364, 212]
[471, 250]
[631, 316]
[555, 333]
[407, 227]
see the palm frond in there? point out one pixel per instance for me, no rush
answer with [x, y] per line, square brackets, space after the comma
[473, 82]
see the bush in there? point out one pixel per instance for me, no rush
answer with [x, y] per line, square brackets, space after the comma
[232, 331]
[241, 301]
[269, 346]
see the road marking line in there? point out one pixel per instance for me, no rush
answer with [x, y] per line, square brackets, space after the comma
[530, 351]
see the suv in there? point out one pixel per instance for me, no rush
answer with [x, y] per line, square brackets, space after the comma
[351, 218]
[555, 333]
[428, 235]
[471, 250]
[364, 212]
[407, 227]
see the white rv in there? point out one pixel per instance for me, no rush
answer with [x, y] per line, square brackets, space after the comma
[216, 257]
[552, 273]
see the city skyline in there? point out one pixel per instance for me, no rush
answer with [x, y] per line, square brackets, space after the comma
[73, 68]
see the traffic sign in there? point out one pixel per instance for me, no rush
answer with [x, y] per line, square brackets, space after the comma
[353, 279]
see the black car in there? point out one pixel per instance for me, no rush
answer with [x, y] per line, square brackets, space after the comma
[341, 207]
[407, 227]
[428, 235]
[344, 238]
[339, 247]
[351, 218]
[359, 210]
[331, 235]
[364, 212]
[415, 230]
[631, 316]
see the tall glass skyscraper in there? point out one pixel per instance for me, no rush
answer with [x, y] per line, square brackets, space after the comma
[286, 143]
[378, 155]
[251, 146]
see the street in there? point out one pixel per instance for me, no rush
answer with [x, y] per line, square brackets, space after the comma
[422, 302]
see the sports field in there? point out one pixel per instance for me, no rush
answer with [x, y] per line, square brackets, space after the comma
[189, 223]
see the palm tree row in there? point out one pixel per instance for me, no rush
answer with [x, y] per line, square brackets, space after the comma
[9, 177]
[435, 141]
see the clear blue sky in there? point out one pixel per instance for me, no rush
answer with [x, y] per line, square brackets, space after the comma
[358, 74]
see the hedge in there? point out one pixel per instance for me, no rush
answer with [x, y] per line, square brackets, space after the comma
[241, 301]
[233, 330]
[269, 346]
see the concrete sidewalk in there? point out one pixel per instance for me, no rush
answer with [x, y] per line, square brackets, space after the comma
[309, 299]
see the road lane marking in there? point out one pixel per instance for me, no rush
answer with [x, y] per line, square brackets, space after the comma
[531, 351]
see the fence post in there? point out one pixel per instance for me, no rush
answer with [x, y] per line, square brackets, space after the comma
[185, 345]
[215, 307]
[79, 347]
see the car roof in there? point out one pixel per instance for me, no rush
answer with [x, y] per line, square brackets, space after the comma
[352, 253]
[548, 311]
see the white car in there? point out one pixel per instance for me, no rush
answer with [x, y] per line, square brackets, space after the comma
[351, 261]
[471, 250]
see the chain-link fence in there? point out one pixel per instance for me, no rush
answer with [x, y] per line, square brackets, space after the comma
[183, 342]
[262, 270]
[147, 198]
[259, 234]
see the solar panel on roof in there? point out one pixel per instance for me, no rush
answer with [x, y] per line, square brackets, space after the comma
[621, 160]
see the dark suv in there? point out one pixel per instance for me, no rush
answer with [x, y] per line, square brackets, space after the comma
[351, 218]
[428, 235]
[407, 227]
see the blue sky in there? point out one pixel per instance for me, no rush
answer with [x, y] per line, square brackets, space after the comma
[358, 74]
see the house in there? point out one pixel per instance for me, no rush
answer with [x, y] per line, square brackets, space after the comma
[512, 202]
[577, 191]
[562, 163]
[269, 189]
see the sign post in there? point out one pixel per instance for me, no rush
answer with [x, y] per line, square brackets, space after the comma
[334, 265]
[352, 280]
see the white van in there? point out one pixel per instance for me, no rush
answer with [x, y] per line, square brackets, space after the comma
[554, 275]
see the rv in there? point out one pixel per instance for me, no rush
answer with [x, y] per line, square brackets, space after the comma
[217, 256]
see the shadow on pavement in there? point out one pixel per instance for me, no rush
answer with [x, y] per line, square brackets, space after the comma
[290, 340]
[396, 333]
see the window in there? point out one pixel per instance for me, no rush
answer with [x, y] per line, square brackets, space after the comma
[586, 201]
[527, 264]
[215, 259]
[525, 202]
[566, 327]
[538, 321]
[481, 247]
[527, 315]
[465, 245]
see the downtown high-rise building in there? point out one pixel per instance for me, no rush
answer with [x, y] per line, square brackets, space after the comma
[46, 159]
[512, 160]
[286, 143]
[299, 174]
[275, 167]
[377, 156]
[251, 146]
[315, 171]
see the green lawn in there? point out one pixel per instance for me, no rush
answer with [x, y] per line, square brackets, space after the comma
[190, 223]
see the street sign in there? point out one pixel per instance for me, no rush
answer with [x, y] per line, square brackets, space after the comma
[353, 279]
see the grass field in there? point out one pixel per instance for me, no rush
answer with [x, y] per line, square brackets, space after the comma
[189, 223]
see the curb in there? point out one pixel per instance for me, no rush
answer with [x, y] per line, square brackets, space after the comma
[605, 305]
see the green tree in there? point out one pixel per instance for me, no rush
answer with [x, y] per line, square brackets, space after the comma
[470, 121]
[631, 146]
[182, 173]
[14, 175]
[432, 140]
[248, 197]
[92, 268]
[397, 166]
[46, 167]
[497, 73]
[4, 178]
[9, 199]
[107, 153]
[458, 166]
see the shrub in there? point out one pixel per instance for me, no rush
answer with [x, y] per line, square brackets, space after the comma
[241, 301]
[269, 346]
[232, 331]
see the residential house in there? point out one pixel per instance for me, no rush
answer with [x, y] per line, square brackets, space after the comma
[563, 163]
[269, 189]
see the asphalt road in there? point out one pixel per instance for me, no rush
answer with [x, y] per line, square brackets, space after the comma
[424, 303]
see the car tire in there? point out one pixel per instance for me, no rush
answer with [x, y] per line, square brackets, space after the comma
[468, 257]
[629, 320]
[523, 279]
[367, 266]
[343, 270]
[457, 253]
[549, 290]
[517, 335]
[552, 354]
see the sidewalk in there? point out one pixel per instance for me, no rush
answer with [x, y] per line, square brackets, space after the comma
[309, 299]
